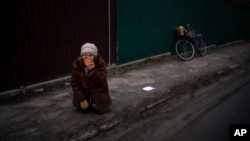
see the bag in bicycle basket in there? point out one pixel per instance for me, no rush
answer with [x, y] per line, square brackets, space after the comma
[190, 34]
[180, 31]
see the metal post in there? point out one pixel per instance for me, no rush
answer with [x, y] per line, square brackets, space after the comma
[109, 32]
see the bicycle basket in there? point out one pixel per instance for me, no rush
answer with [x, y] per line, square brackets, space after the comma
[190, 34]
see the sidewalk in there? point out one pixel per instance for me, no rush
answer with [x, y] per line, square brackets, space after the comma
[49, 115]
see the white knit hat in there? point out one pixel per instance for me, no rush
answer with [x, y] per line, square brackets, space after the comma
[89, 48]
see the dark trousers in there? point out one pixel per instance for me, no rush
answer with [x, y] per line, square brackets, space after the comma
[89, 108]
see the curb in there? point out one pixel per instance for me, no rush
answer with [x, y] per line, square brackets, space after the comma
[39, 87]
[231, 43]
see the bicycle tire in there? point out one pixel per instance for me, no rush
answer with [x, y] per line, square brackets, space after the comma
[201, 47]
[184, 50]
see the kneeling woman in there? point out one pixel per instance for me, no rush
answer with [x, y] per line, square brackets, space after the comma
[89, 81]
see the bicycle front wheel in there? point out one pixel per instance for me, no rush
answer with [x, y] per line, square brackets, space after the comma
[201, 46]
[184, 50]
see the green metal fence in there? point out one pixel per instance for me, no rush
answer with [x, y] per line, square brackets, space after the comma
[147, 27]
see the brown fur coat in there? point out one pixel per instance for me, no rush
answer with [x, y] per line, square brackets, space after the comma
[94, 84]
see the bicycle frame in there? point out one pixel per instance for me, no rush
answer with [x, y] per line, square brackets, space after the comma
[195, 40]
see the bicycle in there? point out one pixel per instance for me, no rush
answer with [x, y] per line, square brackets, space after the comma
[188, 43]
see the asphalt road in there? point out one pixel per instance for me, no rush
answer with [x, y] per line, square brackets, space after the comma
[205, 116]
[214, 125]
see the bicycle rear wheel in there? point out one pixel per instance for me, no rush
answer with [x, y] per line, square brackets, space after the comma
[201, 46]
[184, 50]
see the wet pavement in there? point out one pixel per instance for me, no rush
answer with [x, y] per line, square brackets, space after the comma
[46, 113]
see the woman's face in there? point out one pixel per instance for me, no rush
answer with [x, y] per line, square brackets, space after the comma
[88, 56]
